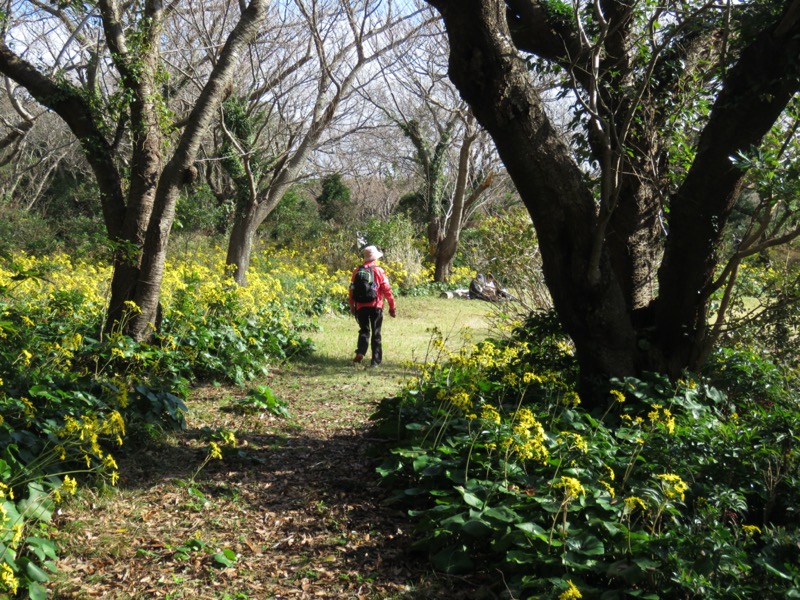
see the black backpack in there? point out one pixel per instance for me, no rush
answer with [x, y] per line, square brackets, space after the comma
[365, 290]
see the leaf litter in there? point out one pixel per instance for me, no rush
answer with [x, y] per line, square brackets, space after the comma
[294, 512]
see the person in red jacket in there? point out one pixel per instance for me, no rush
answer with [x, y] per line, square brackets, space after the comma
[368, 310]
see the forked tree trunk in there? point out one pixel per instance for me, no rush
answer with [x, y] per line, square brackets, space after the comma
[596, 292]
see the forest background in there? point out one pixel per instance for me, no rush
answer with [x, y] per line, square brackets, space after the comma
[185, 190]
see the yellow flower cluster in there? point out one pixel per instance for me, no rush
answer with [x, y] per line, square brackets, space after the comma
[528, 440]
[618, 396]
[631, 502]
[609, 487]
[662, 416]
[571, 486]
[86, 434]
[6, 492]
[486, 355]
[214, 451]
[571, 398]
[571, 593]
[229, 438]
[489, 413]
[573, 441]
[8, 579]
[751, 529]
[89, 279]
[69, 485]
[673, 485]
[460, 400]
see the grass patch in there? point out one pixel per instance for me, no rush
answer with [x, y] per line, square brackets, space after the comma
[341, 394]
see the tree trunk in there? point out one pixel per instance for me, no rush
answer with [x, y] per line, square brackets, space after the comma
[755, 92]
[180, 171]
[601, 279]
[240, 244]
[448, 245]
[495, 82]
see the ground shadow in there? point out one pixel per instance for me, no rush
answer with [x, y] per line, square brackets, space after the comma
[316, 516]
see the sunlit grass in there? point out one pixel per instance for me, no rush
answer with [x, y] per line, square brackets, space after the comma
[329, 372]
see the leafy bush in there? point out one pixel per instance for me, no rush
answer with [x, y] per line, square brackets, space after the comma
[675, 492]
[398, 239]
[295, 218]
[262, 399]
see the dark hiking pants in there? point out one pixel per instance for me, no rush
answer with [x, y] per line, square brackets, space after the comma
[370, 320]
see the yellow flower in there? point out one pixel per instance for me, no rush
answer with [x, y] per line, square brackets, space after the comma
[8, 579]
[571, 593]
[229, 438]
[5, 490]
[26, 357]
[572, 487]
[609, 488]
[528, 440]
[215, 451]
[572, 399]
[673, 485]
[575, 440]
[489, 413]
[461, 401]
[631, 502]
[19, 531]
[751, 529]
[132, 307]
[531, 378]
[30, 410]
[618, 396]
[69, 485]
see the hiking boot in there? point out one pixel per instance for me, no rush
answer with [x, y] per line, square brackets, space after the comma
[358, 358]
[374, 365]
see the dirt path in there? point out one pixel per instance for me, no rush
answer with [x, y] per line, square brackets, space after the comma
[294, 510]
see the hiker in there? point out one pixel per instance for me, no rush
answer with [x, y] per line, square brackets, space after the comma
[369, 286]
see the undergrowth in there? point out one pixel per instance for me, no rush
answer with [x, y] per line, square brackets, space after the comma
[676, 490]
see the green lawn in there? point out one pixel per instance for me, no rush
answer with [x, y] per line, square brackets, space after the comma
[324, 382]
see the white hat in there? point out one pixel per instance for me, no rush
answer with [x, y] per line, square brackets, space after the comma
[371, 253]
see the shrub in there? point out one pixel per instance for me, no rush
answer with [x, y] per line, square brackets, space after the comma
[674, 492]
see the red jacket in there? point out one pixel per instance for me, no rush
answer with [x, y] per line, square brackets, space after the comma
[384, 289]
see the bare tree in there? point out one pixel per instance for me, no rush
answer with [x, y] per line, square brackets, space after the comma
[301, 100]
[100, 68]
[453, 158]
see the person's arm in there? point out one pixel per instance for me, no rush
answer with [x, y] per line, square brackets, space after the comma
[350, 300]
[386, 289]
